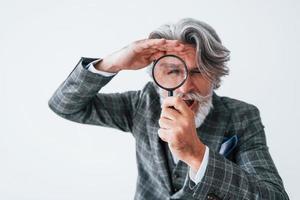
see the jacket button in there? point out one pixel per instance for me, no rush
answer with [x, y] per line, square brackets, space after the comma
[175, 176]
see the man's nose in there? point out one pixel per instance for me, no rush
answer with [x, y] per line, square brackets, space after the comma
[188, 86]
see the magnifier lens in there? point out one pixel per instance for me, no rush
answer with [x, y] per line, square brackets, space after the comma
[169, 72]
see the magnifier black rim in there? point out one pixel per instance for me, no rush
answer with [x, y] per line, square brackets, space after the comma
[185, 67]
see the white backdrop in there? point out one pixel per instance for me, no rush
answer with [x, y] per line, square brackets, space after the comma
[43, 156]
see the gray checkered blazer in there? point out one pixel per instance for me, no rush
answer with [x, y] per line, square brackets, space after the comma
[248, 172]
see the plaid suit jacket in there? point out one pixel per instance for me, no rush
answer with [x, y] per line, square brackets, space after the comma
[248, 172]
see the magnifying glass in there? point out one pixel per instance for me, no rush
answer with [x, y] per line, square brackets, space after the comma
[169, 72]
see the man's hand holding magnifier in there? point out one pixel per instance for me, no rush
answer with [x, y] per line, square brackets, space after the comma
[177, 128]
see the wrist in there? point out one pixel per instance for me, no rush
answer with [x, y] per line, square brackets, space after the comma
[196, 158]
[106, 66]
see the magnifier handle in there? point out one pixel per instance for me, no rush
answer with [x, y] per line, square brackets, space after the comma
[170, 94]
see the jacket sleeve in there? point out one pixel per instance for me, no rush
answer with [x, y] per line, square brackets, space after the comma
[77, 99]
[252, 175]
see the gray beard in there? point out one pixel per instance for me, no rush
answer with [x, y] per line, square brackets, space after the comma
[203, 110]
[204, 104]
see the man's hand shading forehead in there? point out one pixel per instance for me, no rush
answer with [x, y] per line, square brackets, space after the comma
[172, 46]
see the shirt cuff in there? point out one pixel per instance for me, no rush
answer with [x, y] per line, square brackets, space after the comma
[197, 177]
[92, 68]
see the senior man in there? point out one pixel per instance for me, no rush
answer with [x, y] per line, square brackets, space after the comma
[193, 145]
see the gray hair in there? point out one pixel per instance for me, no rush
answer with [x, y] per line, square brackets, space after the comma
[211, 55]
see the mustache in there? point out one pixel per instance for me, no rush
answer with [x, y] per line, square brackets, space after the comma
[194, 96]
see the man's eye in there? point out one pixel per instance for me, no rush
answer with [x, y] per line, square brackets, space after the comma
[175, 71]
[195, 72]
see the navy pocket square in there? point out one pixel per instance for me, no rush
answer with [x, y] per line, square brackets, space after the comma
[228, 145]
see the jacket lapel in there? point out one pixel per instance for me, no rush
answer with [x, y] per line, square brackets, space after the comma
[157, 146]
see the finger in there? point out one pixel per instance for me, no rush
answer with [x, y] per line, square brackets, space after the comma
[179, 48]
[157, 55]
[177, 103]
[158, 52]
[183, 48]
[174, 42]
[151, 51]
[164, 135]
[165, 123]
[155, 45]
[142, 45]
[153, 42]
[169, 113]
[159, 45]
[172, 45]
[163, 43]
